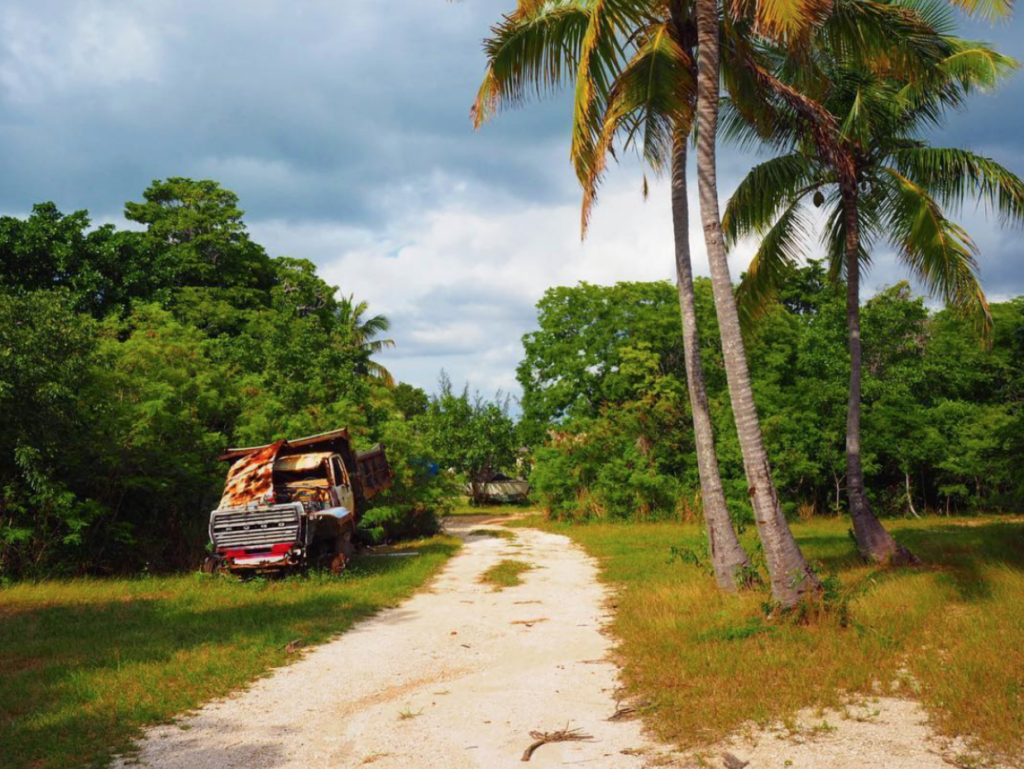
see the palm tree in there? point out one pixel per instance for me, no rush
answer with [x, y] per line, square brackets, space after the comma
[533, 49]
[361, 331]
[880, 181]
[789, 23]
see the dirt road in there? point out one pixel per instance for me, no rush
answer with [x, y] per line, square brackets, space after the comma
[458, 676]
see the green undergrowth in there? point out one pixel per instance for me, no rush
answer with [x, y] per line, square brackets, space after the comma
[949, 634]
[505, 574]
[86, 664]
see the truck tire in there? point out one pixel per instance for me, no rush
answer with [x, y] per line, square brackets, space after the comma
[211, 565]
[343, 550]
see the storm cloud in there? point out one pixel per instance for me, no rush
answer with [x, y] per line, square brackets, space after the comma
[344, 128]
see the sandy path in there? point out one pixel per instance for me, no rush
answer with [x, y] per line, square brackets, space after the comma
[457, 659]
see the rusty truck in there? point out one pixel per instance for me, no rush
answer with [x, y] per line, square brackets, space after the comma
[293, 504]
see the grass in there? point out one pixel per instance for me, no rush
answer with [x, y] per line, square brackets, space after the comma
[505, 574]
[463, 506]
[86, 664]
[950, 634]
[498, 533]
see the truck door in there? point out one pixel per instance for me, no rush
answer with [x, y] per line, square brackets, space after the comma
[342, 484]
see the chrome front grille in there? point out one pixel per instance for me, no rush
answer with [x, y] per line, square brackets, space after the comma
[254, 528]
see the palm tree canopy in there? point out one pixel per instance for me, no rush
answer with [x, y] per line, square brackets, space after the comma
[903, 186]
[362, 331]
[632, 68]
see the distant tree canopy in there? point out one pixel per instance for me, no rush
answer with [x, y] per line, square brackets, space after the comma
[470, 435]
[130, 359]
[604, 401]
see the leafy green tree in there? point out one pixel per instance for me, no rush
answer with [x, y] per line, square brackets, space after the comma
[471, 436]
[410, 401]
[571, 361]
[46, 357]
[926, 379]
[196, 236]
[129, 360]
[102, 269]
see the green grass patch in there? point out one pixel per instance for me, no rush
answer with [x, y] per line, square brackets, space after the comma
[498, 533]
[463, 506]
[531, 521]
[505, 574]
[708, 662]
[86, 664]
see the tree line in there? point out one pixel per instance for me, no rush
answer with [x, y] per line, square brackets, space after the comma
[131, 358]
[606, 404]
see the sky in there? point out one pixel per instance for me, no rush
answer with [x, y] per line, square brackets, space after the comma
[343, 126]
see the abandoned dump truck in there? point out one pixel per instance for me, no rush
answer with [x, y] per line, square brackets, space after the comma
[292, 504]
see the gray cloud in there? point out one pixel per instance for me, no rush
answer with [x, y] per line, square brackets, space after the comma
[344, 127]
[319, 110]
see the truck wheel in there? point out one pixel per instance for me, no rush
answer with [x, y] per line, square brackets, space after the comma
[211, 565]
[343, 550]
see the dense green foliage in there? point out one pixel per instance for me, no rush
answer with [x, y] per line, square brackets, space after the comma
[604, 390]
[470, 436]
[130, 359]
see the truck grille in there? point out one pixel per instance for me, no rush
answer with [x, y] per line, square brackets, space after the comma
[254, 529]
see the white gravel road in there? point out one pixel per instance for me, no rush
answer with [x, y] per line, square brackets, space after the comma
[458, 676]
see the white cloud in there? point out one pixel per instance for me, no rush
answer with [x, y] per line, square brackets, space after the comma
[460, 281]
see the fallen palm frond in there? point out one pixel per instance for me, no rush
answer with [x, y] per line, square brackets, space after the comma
[562, 735]
[623, 713]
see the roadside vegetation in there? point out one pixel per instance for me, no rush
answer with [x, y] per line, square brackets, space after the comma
[505, 574]
[86, 663]
[703, 663]
[132, 358]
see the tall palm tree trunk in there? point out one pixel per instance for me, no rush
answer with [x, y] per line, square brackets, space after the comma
[873, 541]
[727, 556]
[790, 575]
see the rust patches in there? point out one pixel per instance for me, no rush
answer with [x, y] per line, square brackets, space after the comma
[302, 462]
[251, 478]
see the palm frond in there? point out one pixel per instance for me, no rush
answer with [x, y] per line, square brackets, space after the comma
[651, 97]
[530, 53]
[892, 38]
[378, 372]
[938, 251]
[833, 235]
[602, 52]
[787, 21]
[951, 175]
[766, 189]
[975, 65]
[986, 9]
[776, 259]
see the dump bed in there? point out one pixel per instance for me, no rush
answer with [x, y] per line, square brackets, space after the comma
[373, 471]
[251, 477]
